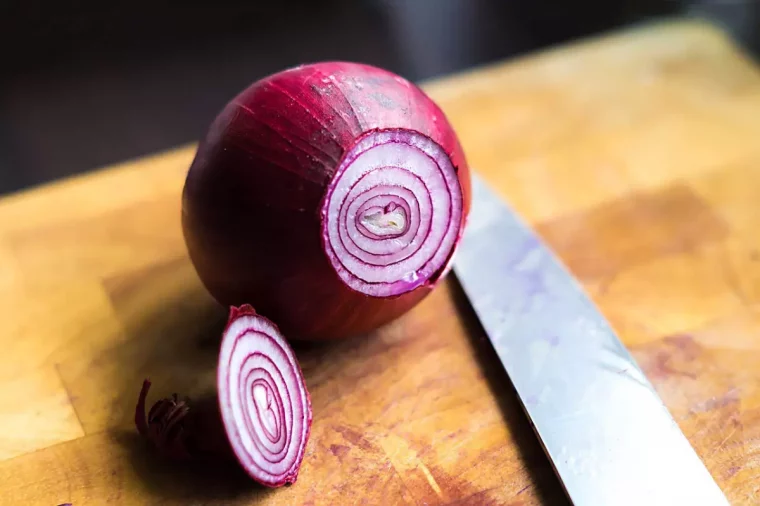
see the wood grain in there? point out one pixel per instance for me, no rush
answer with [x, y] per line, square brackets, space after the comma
[635, 155]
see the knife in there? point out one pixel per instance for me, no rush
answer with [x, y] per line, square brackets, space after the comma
[610, 438]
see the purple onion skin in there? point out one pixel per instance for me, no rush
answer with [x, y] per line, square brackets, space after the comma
[183, 429]
[252, 198]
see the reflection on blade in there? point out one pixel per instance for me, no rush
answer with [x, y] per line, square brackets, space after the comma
[606, 431]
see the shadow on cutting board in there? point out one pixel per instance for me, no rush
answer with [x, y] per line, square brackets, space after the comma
[186, 480]
[538, 466]
[172, 330]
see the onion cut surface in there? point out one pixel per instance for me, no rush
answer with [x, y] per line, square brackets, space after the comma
[265, 406]
[330, 196]
[391, 215]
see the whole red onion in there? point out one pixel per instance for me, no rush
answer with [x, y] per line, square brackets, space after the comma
[329, 196]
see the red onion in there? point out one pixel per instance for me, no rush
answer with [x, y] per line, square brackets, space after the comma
[330, 196]
[262, 415]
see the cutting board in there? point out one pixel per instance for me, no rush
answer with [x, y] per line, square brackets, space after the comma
[636, 155]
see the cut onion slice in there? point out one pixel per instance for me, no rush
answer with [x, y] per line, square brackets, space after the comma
[265, 406]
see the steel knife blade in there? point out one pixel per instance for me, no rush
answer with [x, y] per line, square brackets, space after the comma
[609, 436]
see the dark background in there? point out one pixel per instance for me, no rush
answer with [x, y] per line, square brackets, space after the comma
[88, 83]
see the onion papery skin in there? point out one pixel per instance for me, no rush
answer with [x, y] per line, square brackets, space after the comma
[265, 406]
[258, 212]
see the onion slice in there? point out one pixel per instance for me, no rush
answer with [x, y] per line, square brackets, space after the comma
[265, 406]
[262, 413]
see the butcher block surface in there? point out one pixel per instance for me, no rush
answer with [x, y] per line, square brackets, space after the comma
[636, 156]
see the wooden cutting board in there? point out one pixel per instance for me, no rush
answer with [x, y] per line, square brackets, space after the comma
[637, 157]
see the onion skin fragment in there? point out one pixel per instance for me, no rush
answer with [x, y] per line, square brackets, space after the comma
[217, 428]
[256, 208]
[183, 429]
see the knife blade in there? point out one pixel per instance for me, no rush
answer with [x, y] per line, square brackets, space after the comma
[610, 438]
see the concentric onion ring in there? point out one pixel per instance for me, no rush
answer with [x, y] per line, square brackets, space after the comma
[264, 403]
[392, 214]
